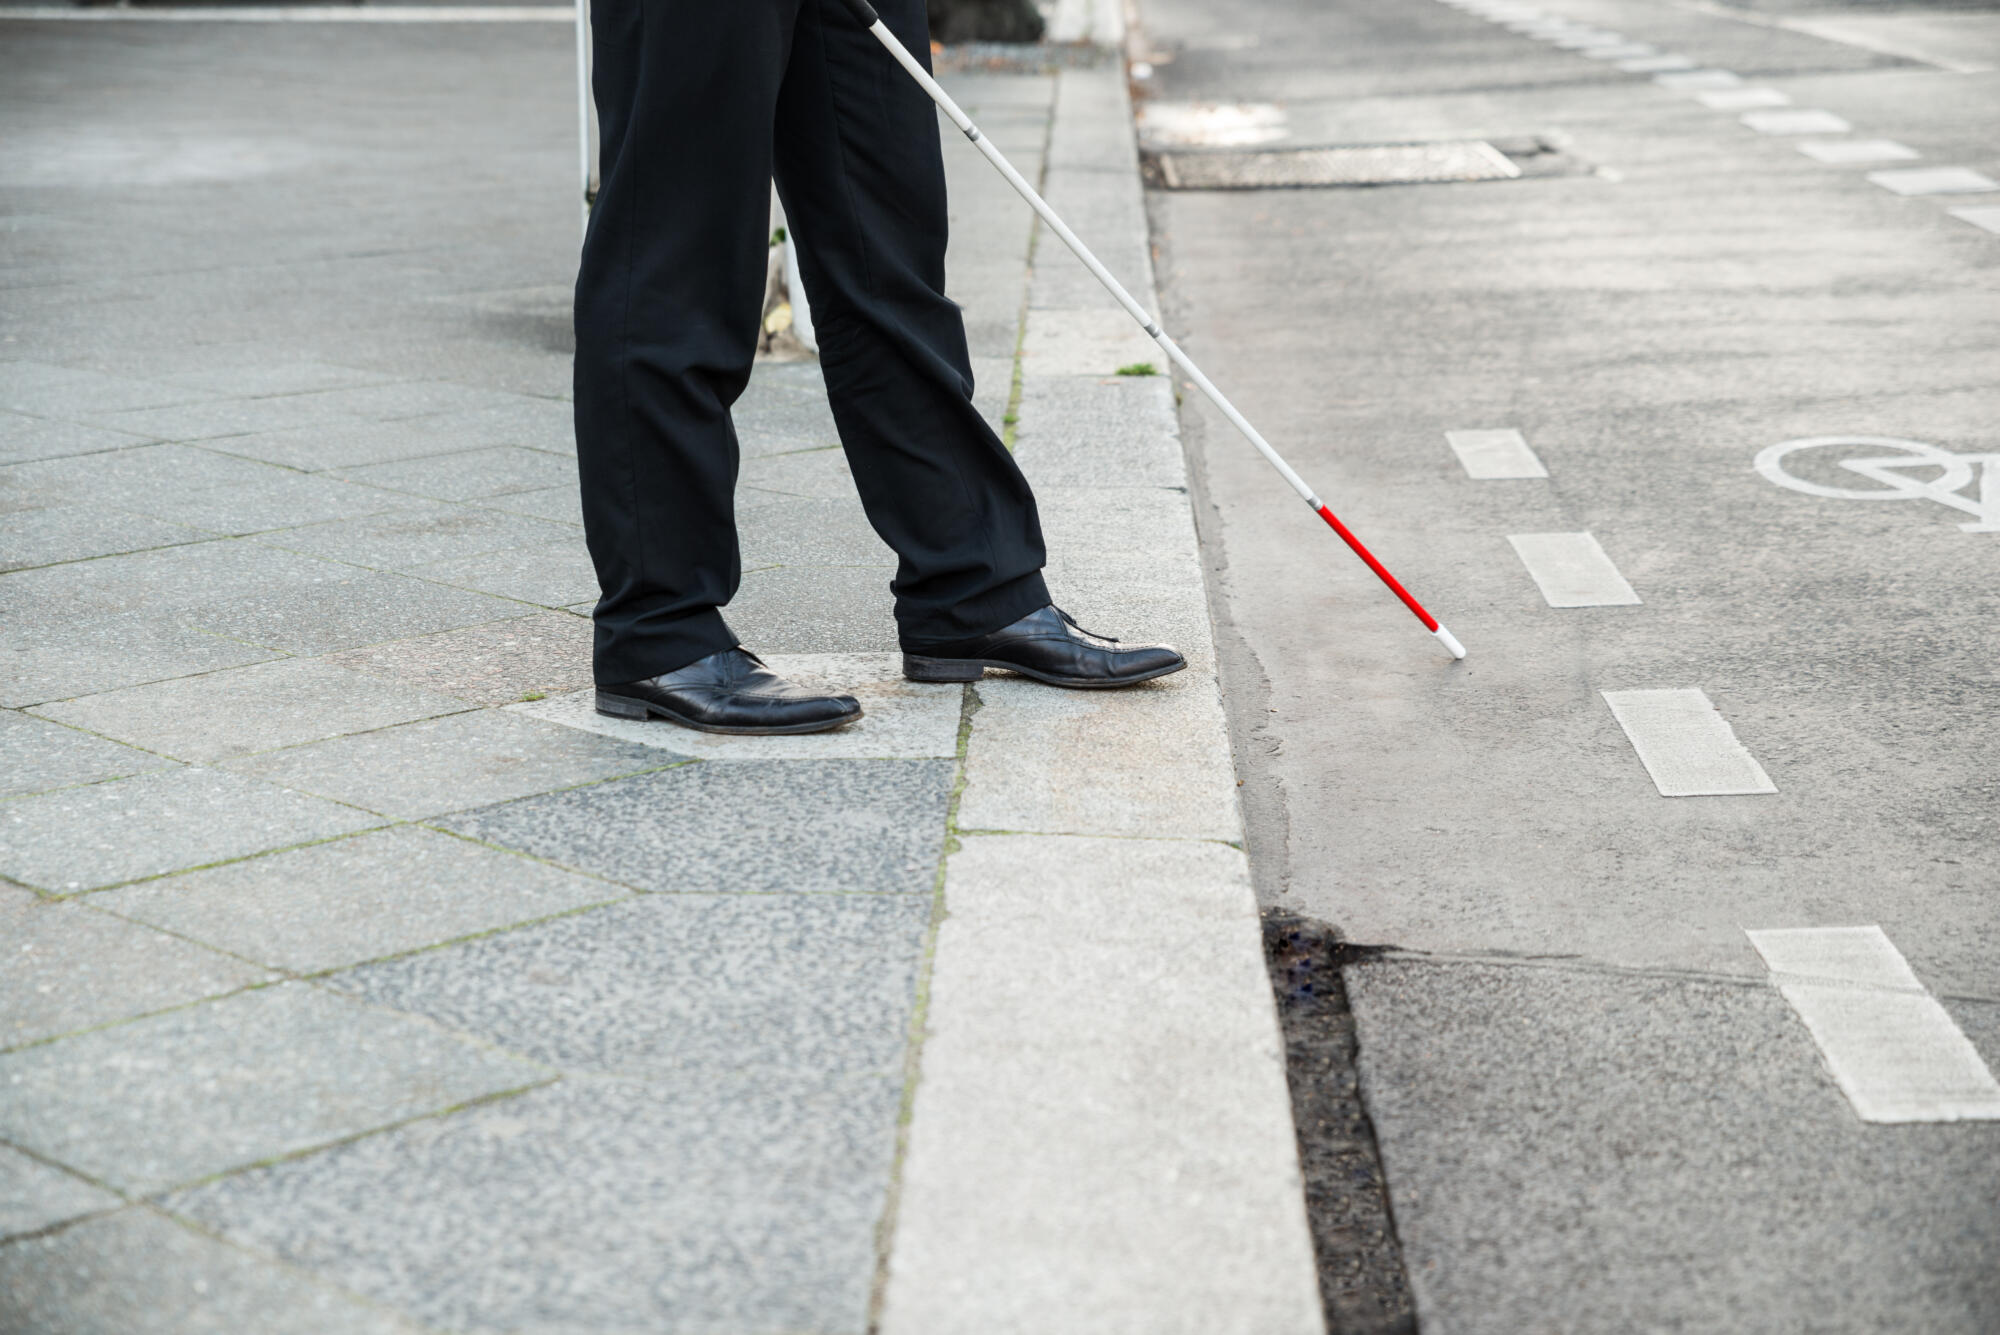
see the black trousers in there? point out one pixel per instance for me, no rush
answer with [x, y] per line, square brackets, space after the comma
[700, 105]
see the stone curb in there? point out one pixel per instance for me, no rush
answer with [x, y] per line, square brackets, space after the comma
[1101, 1137]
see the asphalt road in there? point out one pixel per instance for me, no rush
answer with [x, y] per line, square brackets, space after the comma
[1595, 1110]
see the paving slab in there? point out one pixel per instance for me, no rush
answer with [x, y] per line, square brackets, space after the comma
[821, 474]
[239, 711]
[1139, 526]
[562, 505]
[556, 573]
[34, 1196]
[450, 764]
[339, 903]
[24, 438]
[1092, 341]
[776, 417]
[259, 378]
[218, 417]
[37, 755]
[348, 444]
[417, 534]
[470, 474]
[83, 838]
[345, 609]
[815, 610]
[45, 390]
[1073, 433]
[532, 422]
[1151, 760]
[399, 400]
[684, 1208]
[1095, 1147]
[66, 967]
[900, 717]
[137, 1270]
[799, 531]
[680, 987]
[100, 652]
[201, 488]
[138, 470]
[174, 1098]
[779, 826]
[165, 580]
[500, 661]
[78, 532]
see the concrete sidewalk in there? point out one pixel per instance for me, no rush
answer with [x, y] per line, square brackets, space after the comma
[358, 977]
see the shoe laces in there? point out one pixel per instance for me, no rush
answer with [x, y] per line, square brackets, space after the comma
[1072, 621]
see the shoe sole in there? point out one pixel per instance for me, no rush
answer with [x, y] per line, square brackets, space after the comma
[618, 706]
[917, 668]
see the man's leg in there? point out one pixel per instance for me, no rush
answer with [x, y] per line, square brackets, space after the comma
[862, 177]
[666, 314]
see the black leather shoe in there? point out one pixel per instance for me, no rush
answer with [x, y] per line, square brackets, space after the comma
[1049, 646]
[728, 692]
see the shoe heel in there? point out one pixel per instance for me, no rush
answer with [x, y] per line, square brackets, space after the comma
[619, 707]
[917, 668]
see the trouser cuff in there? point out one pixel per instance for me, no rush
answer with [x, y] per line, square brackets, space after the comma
[978, 616]
[648, 647]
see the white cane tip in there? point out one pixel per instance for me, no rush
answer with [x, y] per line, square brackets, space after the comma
[1450, 641]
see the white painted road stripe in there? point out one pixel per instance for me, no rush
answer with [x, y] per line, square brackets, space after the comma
[1893, 1050]
[1795, 122]
[1626, 52]
[1841, 152]
[1688, 748]
[1490, 455]
[1743, 99]
[301, 14]
[1688, 81]
[1654, 64]
[1988, 218]
[1572, 570]
[1935, 181]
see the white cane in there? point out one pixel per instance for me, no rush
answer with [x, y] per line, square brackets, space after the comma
[869, 19]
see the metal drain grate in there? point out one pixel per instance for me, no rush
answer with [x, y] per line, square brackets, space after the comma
[1367, 164]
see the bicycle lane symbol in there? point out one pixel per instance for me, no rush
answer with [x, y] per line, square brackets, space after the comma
[1900, 476]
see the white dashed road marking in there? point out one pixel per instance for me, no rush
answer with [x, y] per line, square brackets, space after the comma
[1988, 218]
[1629, 51]
[1494, 455]
[1744, 99]
[1688, 81]
[1845, 152]
[1893, 1050]
[1572, 570]
[1935, 181]
[1656, 64]
[1688, 748]
[1796, 122]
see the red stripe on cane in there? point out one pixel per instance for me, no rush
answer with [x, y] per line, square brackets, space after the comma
[1381, 571]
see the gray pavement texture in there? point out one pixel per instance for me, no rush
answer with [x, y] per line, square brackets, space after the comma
[1593, 1111]
[337, 998]
[355, 976]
